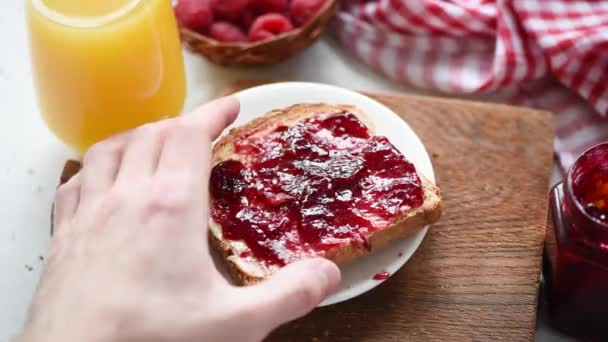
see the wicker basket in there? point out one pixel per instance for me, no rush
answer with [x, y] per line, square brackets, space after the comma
[265, 52]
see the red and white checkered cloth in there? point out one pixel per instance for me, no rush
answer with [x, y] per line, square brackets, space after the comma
[550, 54]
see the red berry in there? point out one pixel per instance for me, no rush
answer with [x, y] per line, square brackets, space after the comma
[229, 9]
[269, 25]
[194, 14]
[260, 35]
[304, 10]
[266, 6]
[223, 31]
[247, 19]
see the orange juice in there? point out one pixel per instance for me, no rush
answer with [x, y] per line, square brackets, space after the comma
[104, 66]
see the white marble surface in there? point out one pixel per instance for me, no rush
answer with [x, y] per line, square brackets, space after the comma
[31, 158]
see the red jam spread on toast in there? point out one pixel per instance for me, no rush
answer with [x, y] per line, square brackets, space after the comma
[302, 189]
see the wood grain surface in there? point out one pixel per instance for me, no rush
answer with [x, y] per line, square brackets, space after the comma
[476, 275]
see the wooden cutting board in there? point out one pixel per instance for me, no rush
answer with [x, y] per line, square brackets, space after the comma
[476, 275]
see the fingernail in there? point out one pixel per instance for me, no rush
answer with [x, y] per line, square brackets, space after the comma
[332, 274]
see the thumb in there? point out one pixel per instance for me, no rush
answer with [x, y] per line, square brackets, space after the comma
[292, 292]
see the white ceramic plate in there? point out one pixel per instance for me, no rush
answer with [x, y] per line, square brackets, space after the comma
[356, 277]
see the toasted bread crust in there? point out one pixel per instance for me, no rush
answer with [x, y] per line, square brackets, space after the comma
[246, 272]
[237, 274]
[224, 148]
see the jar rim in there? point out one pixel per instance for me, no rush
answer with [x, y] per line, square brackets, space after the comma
[570, 191]
[81, 21]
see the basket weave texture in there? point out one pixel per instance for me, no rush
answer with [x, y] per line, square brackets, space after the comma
[265, 52]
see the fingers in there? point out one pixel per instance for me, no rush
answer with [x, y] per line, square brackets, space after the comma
[186, 148]
[100, 165]
[291, 293]
[215, 116]
[67, 198]
[175, 148]
[141, 154]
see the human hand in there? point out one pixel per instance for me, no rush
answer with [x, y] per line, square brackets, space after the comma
[129, 260]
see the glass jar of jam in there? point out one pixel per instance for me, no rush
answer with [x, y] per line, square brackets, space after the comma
[575, 268]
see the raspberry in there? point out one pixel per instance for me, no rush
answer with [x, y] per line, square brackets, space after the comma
[228, 9]
[304, 10]
[194, 14]
[269, 25]
[226, 32]
[260, 35]
[247, 19]
[266, 6]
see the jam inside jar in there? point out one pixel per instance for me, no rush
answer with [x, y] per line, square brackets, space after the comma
[575, 268]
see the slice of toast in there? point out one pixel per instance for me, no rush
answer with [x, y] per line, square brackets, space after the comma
[245, 268]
